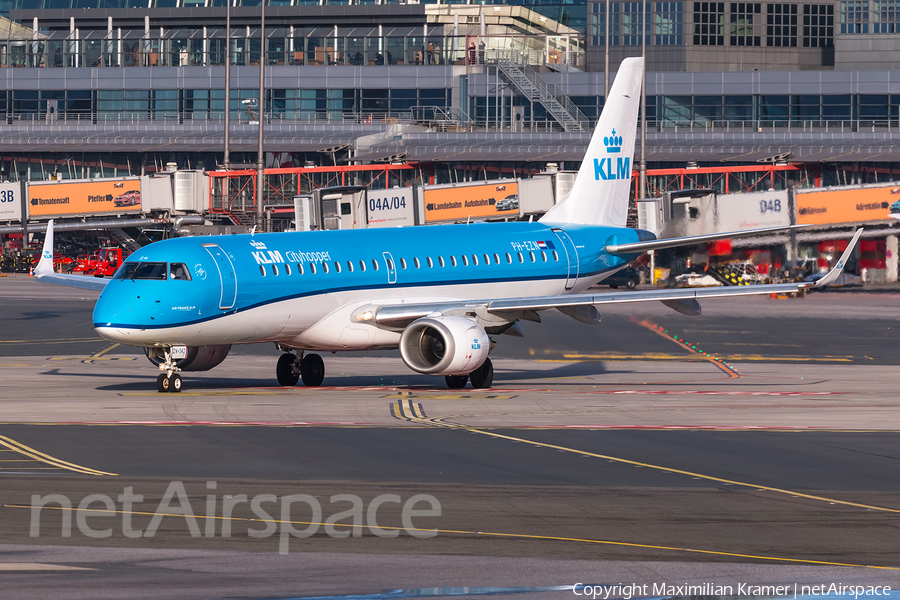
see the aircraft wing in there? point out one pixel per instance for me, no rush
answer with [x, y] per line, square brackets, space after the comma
[582, 306]
[44, 271]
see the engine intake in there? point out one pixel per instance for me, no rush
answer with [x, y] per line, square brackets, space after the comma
[198, 358]
[444, 346]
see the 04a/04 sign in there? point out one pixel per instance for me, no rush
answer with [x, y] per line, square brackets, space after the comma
[390, 208]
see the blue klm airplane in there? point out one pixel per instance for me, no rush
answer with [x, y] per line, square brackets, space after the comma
[437, 293]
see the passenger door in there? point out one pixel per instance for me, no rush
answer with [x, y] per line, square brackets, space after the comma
[227, 276]
[571, 256]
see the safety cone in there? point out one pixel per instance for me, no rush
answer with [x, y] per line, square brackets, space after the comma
[31, 272]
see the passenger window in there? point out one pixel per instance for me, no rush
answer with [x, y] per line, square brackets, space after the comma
[531, 254]
[430, 262]
[496, 258]
[300, 268]
[416, 262]
[441, 260]
[275, 270]
[337, 266]
[544, 255]
[312, 268]
[324, 267]
[474, 260]
[390, 264]
[465, 260]
[179, 271]
[374, 264]
[508, 258]
[350, 265]
[287, 268]
[452, 260]
[555, 256]
[521, 258]
[362, 265]
[402, 263]
[262, 270]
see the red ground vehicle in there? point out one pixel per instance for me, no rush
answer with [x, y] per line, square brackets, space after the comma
[63, 264]
[108, 262]
[86, 263]
[102, 263]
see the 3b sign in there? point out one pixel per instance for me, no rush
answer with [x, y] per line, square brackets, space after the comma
[10, 202]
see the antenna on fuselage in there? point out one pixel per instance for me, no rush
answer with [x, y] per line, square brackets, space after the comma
[252, 230]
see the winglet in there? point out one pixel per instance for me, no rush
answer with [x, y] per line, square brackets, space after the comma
[45, 266]
[839, 267]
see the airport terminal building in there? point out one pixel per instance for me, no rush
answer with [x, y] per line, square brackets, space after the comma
[741, 96]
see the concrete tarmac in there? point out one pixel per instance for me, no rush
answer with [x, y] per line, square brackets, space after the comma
[755, 444]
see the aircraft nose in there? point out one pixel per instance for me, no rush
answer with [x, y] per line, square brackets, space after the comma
[115, 317]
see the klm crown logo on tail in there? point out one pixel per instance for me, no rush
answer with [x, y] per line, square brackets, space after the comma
[603, 167]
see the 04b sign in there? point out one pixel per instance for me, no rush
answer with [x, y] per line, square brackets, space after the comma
[84, 197]
[10, 204]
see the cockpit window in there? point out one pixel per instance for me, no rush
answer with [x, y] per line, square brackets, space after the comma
[179, 271]
[126, 270]
[147, 270]
[151, 270]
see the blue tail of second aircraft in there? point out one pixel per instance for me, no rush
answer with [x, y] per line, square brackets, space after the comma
[601, 190]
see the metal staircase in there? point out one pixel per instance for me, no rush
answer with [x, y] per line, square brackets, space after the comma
[124, 240]
[529, 83]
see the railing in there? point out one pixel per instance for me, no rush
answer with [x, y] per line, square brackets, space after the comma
[286, 51]
[436, 115]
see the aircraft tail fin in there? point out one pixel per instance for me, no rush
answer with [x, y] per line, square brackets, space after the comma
[601, 190]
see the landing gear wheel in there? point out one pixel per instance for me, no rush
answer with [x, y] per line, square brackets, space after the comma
[174, 382]
[284, 370]
[162, 383]
[456, 382]
[483, 376]
[312, 370]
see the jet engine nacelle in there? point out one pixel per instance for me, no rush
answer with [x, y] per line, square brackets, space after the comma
[444, 346]
[198, 358]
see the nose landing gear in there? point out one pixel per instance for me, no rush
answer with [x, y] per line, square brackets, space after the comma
[169, 380]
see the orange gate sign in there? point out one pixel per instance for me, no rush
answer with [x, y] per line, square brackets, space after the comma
[84, 197]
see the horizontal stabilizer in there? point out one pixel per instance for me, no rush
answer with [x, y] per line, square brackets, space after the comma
[638, 247]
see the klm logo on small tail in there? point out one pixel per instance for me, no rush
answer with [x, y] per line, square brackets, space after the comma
[603, 167]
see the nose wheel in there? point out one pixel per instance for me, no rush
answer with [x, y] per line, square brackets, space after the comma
[169, 380]
[168, 383]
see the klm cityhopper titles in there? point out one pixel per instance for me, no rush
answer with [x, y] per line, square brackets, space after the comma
[439, 294]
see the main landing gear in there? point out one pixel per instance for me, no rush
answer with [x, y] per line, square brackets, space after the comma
[293, 367]
[170, 379]
[482, 377]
